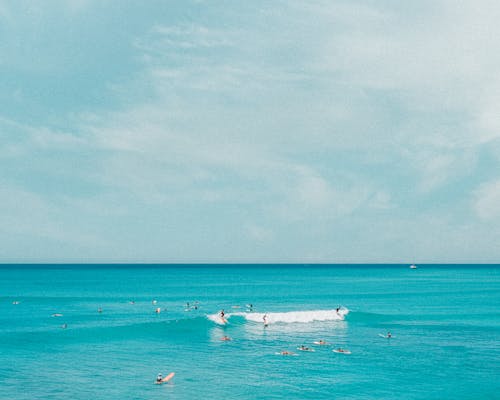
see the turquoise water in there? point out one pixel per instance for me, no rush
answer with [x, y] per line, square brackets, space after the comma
[445, 322]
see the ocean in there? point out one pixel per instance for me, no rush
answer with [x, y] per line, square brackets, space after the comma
[55, 344]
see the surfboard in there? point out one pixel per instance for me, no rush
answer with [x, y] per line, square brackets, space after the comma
[322, 344]
[341, 352]
[168, 377]
[307, 349]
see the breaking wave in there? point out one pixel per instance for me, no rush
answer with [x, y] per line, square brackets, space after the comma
[284, 317]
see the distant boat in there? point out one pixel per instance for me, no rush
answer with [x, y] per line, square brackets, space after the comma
[413, 266]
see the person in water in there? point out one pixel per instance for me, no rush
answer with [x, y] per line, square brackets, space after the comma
[264, 318]
[389, 335]
[322, 342]
[225, 338]
[159, 378]
[337, 310]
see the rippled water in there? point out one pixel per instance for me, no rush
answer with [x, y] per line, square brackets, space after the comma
[445, 322]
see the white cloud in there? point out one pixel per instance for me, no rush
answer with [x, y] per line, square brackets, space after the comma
[487, 201]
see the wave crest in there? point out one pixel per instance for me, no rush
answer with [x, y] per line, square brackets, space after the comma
[285, 317]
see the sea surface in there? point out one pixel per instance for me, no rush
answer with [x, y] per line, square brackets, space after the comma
[444, 321]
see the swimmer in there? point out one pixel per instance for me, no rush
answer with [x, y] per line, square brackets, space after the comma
[158, 310]
[225, 338]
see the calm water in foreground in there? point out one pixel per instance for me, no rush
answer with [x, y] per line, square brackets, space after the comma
[445, 322]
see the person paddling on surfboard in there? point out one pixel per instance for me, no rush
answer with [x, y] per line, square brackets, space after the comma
[160, 379]
[389, 335]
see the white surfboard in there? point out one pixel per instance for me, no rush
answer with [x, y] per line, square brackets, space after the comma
[385, 336]
[341, 351]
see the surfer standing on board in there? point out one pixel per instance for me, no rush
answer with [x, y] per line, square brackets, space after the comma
[222, 314]
[264, 318]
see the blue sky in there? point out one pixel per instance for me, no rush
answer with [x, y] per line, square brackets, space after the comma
[283, 131]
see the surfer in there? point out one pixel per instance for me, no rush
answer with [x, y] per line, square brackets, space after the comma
[286, 353]
[225, 338]
[221, 315]
[160, 379]
[341, 350]
[337, 310]
[264, 318]
[64, 326]
[158, 310]
[304, 348]
[321, 342]
[389, 335]
[99, 310]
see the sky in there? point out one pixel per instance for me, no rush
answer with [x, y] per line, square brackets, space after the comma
[237, 131]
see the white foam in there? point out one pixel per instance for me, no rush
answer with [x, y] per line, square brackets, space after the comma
[217, 318]
[286, 317]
